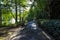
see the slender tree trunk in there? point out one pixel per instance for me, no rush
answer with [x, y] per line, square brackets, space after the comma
[0, 18]
[16, 10]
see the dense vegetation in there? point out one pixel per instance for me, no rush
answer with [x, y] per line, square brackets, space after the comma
[17, 10]
[45, 12]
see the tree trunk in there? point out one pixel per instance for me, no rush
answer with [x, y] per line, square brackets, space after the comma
[0, 18]
[16, 10]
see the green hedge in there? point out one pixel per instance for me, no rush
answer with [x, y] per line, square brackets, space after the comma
[52, 27]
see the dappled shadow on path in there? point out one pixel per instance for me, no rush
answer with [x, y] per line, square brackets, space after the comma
[27, 34]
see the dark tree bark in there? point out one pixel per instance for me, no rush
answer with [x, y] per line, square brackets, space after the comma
[0, 18]
[16, 10]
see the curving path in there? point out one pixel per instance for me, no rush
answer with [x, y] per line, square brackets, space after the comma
[26, 34]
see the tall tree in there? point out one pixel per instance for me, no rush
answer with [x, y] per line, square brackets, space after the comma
[16, 9]
[0, 16]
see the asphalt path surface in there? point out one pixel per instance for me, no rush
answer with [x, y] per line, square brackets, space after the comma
[31, 32]
[26, 34]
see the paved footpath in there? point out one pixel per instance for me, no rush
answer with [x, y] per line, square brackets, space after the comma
[26, 34]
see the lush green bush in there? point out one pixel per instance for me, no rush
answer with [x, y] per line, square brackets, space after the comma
[50, 23]
[52, 27]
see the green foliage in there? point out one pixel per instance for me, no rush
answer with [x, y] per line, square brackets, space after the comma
[7, 13]
[40, 9]
[51, 26]
[36, 11]
[50, 23]
[6, 18]
[30, 15]
[23, 3]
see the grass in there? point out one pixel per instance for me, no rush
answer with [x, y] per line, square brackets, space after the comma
[2, 38]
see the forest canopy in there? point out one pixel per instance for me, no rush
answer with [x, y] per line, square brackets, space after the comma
[23, 10]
